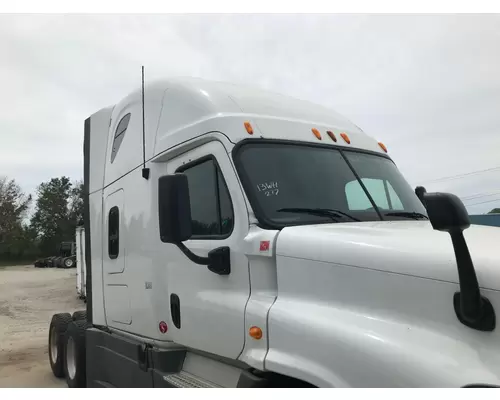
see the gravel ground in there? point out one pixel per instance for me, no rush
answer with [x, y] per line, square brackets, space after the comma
[28, 298]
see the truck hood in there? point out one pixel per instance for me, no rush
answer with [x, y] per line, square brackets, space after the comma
[403, 247]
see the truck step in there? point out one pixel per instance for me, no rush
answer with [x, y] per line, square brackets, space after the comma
[186, 380]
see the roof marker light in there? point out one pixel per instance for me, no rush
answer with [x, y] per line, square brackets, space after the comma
[382, 146]
[249, 128]
[332, 135]
[346, 138]
[316, 133]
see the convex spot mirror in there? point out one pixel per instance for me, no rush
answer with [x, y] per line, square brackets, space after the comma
[446, 212]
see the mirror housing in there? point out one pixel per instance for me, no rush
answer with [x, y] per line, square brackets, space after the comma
[174, 208]
[446, 212]
[174, 213]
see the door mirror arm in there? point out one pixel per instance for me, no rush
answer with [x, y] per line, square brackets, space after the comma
[218, 260]
[193, 257]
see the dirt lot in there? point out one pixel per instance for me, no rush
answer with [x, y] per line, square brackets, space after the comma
[28, 298]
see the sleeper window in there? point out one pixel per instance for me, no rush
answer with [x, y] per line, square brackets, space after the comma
[119, 135]
[113, 232]
[211, 207]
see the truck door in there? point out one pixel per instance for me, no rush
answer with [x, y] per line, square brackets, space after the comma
[208, 309]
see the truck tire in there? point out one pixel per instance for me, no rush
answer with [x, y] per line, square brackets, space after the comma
[79, 315]
[68, 262]
[57, 330]
[74, 354]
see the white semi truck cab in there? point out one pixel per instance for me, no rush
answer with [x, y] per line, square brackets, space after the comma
[239, 238]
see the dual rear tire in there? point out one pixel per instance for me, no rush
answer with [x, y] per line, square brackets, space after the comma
[75, 357]
[67, 348]
[57, 331]
[68, 262]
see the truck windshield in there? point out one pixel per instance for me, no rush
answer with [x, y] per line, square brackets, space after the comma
[294, 184]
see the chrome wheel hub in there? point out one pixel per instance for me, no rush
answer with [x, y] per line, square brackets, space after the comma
[53, 344]
[71, 358]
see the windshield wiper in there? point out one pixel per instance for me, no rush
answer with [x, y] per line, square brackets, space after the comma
[324, 212]
[406, 214]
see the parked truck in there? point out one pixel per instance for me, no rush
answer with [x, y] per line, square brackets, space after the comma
[240, 238]
[65, 259]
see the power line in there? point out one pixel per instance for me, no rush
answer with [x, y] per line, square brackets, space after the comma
[480, 195]
[463, 175]
[483, 202]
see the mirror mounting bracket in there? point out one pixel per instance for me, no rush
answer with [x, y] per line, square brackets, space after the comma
[472, 309]
[193, 257]
[448, 214]
[485, 323]
[218, 260]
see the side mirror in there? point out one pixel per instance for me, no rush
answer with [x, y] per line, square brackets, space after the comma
[174, 208]
[174, 213]
[446, 212]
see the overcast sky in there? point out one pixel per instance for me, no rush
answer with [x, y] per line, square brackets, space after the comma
[427, 86]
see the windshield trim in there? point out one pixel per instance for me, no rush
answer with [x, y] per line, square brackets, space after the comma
[267, 223]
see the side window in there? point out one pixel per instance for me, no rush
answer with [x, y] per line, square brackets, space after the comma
[211, 207]
[113, 232]
[381, 191]
[119, 135]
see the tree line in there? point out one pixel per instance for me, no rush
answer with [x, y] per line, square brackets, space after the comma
[58, 210]
[31, 229]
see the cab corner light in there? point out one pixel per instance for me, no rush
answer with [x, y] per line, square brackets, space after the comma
[248, 128]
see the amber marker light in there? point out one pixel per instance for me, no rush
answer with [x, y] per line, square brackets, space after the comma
[249, 128]
[332, 135]
[346, 138]
[382, 146]
[316, 133]
[255, 332]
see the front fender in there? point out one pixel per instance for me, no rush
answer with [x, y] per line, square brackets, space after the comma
[335, 347]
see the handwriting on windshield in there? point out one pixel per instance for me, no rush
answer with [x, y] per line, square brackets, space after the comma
[268, 188]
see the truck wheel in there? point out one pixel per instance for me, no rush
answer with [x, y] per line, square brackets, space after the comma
[57, 329]
[78, 315]
[68, 262]
[74, 351]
